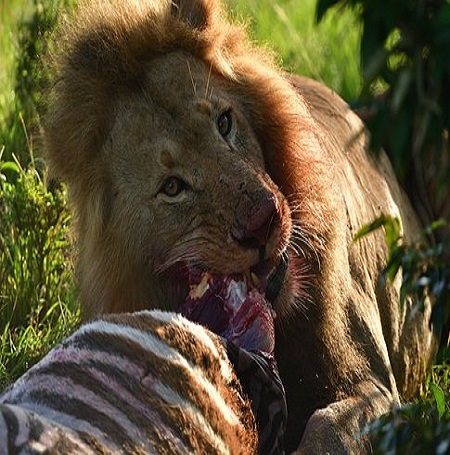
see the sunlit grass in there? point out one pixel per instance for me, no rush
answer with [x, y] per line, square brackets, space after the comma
[37, 293]
[38, 304]
[11, 13]
[327, 52]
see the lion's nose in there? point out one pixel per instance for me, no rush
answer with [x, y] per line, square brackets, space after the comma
[260, 224]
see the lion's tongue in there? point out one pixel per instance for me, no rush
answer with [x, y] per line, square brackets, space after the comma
[232, 307]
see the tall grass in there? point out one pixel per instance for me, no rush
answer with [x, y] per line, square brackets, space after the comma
[26, 27]
[11, 13]
[37, 293]
[327, 52]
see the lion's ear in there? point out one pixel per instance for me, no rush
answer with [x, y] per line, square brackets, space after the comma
[195, 13]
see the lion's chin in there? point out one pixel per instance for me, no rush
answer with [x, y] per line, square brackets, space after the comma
[237, 306]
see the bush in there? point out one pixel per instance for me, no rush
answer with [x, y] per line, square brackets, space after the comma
[37, 293]
[418, 428]
[404, 51]
[31, 78]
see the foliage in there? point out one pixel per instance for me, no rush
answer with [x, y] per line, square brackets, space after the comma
[423, 426]
[404, 49]
[404, 52]
[413, 429]
[418, 428]
[406, 73]
[30, 78]
[36, 286]
[327, 52]
[425, 268]
[425, 271]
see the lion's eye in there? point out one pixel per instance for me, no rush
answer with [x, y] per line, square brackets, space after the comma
[173, 186]
[224, 123]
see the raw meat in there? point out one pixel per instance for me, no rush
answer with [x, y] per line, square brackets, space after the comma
[232, 306]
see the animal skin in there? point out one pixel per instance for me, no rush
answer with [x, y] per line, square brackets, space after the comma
[186, 148]
[128, 384]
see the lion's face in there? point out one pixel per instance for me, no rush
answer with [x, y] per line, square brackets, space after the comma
[187, 184]
[166, 124]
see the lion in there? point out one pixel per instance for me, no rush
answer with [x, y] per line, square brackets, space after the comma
[187, 151]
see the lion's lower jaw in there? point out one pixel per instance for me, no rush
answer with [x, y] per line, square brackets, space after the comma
[138, 287]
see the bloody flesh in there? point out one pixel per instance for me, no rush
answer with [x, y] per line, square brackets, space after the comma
[232, 306]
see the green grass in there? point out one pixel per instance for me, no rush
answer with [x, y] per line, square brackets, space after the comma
[12, 12]
[327, 52]
[9, 12]
[37, 293]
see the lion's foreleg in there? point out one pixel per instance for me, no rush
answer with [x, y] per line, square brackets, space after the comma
[336, 429]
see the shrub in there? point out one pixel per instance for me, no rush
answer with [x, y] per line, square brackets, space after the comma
[30, 76]
[37, 293]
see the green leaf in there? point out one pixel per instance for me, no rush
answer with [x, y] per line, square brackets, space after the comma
[9, 166]
[391, 226]
[435, 225]
[439, 397]
[394, 263]
[371, 227]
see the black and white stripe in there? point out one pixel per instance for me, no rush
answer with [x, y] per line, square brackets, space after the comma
[147, 382]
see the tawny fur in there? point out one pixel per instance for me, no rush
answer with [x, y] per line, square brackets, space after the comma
[137, 89]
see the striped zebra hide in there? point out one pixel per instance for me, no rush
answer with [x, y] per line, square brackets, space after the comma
[147, 382]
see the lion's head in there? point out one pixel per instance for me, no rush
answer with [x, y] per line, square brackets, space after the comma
[166, 123]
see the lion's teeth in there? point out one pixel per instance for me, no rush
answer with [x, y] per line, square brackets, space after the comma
[255, 279]
[198, 291]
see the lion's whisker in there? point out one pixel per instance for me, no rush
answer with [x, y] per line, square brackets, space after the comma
[208, 80]
[194, 87]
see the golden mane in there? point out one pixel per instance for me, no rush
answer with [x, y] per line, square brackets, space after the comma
[103, 55]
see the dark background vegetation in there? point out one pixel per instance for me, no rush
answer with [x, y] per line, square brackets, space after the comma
[405, 101]
[389, 59]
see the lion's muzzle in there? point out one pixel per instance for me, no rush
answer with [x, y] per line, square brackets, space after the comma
[260, 225]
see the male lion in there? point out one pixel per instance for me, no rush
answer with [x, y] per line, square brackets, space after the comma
[188, 152]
